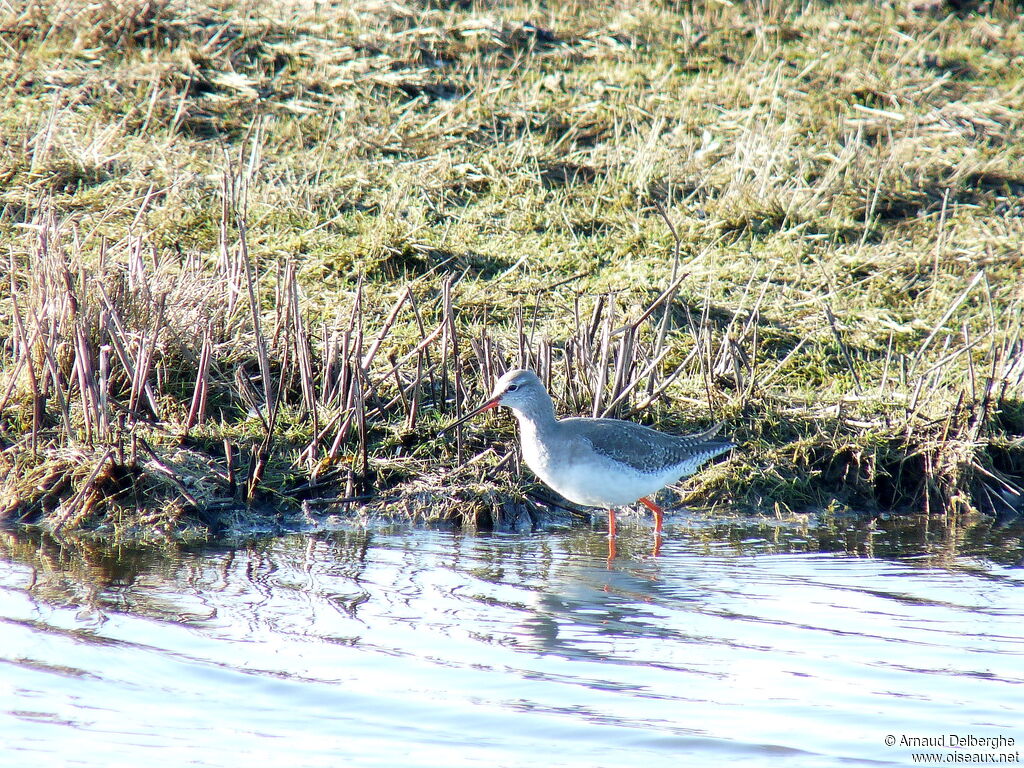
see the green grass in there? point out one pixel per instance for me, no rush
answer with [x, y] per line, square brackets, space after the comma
[845, 180]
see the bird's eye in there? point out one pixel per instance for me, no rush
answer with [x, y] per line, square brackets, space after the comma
[511, 387]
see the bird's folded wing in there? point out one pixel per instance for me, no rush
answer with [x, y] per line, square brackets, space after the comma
[645, 449]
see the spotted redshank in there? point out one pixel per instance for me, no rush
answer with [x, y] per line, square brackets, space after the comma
[604, 463]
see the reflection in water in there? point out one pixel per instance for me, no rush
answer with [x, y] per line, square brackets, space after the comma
[742, 639]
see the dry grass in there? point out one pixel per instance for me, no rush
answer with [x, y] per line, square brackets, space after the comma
[258, 254]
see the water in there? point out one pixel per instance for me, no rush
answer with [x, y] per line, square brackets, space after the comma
[742, 641]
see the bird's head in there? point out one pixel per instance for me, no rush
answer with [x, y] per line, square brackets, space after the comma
[519, 389]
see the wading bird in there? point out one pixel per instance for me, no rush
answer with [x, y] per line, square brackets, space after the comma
[605, 463]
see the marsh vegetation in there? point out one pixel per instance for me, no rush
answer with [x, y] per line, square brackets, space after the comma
[257, 254]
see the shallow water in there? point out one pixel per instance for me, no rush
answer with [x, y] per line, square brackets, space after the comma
[752, 642]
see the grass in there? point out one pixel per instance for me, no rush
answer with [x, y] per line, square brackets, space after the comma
[258, 254]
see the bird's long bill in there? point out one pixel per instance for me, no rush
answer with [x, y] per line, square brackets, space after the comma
[485, 407]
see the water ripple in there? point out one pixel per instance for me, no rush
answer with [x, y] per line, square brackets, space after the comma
[431, 648]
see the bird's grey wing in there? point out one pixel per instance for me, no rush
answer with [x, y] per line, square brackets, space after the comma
[645, 449]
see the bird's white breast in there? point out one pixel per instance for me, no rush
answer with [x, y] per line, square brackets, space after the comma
[585, 477]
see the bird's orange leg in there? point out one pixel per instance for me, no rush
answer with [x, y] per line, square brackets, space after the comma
[611, 536]
[658, 513]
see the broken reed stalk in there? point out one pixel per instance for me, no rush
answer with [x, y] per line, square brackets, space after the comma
[269, 417]
[200, 392]
[118, 336]
[424, 346]
[23, 347]
[268, 413]
[230, 268]
[147, 348]
[85, 375]
[414, 396]
[702, 341]
[451, 333]
[604, 355]
[302, 345]
[360, 407]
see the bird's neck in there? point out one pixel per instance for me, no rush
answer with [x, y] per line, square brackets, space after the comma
[539, 418]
